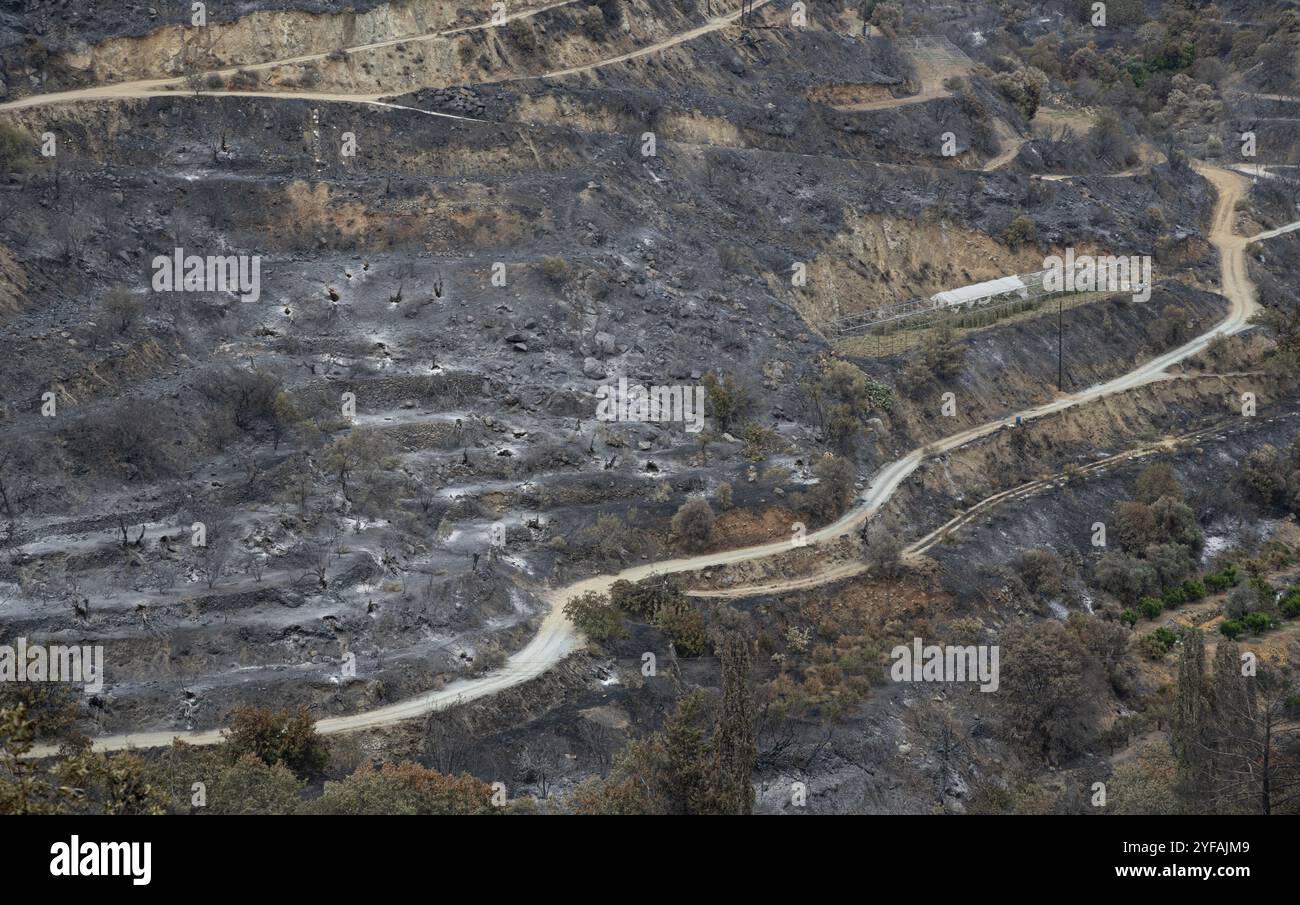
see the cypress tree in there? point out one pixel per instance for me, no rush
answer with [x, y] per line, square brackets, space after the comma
[734, 747]
[1232, 730]
[1186, 723]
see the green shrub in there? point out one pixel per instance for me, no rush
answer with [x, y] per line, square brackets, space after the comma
[1158, 643]
[729, 399]
[658, 599]
[1231, 628]
[1020, 231]
[1040, 570]
[1290, 604]
[1258, 622]
[1129, 617]
[596, 617]
[682, 622]
[15, 149]
[759, 440]
[1242, 600]
[723, 496]
[1152, 647]
[1219, 581]
[1193, 590]
[642, 600]
[1024, 88]
[1150, 607]
[276, 737]
[693, 523]
[1127, 577]
[1173, 598]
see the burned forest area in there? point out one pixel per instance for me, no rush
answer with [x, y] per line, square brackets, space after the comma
[630, 407]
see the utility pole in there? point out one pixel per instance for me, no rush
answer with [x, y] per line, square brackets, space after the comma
[1060, 343]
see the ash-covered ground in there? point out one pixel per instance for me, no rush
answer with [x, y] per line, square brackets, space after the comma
[363, 475]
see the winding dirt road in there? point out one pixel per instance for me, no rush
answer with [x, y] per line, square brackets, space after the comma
[557, 637]
[1235, 285]
[1271, 233]
[145, 88]
[164, 87]
[714, 24]
[127, 92]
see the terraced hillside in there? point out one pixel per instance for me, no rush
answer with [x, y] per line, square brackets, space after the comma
[374, 479]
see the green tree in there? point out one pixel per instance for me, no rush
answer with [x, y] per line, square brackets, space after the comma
[1185, 724]
[404, 788]
[833, 491]
[116, 783]
[643, 599]
[596, 617]
[734, 746]
[1042, 677]
[1127, 577]
[693, 523]
[1172, 562]
[1024, 88]
[276, 737]
[26, 787]
[727, 397]
[1262, 476]
[16, 149]
[677, 617]
[249, 786]
[675, 766]
[1158, 481]
[238, 785]
[1176, 523]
